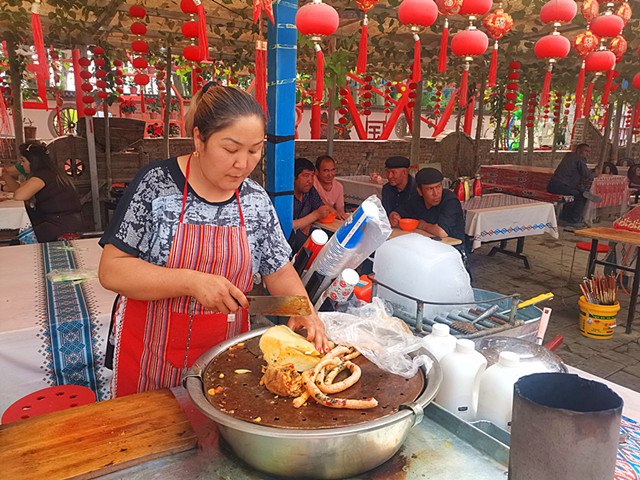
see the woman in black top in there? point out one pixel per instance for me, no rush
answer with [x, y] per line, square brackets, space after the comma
[50, 198]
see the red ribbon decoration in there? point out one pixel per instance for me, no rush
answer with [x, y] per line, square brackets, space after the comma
[447, 114]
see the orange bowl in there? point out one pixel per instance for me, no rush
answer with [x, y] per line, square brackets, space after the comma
[408, 224]
[329, 218]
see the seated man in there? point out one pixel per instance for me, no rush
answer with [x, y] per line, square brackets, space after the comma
[330, 190]
[569, 178]
[439, 211]
[307, 204]
[401, 192]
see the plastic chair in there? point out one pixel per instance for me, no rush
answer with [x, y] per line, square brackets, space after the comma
[48, 400]
[586, 246]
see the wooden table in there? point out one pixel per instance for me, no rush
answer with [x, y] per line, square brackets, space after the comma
[623, 236]
[396, 232]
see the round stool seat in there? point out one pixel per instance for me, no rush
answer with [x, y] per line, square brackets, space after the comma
[47, 400]
[586, 246]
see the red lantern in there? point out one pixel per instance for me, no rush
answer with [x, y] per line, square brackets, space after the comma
[624, 12]
[446, 8]
[99, 62]
[585, 43]
[85, 75]
[552, 47]
[137, 11]
[84, 62]
[139, 46]
[558, 11]
[138, 29]
[618, 46]
[101, 84]
[513, 76]
[497, 23]
[416, 14]
[512, 86]
[510, 107]
[98, 50]
[636, 81]
[86, 87]
[117, 63]
[141, 79]
[101, 73]
[468, 43]
[607, 26]
[590, 10]
[102, 94]
[140, 62]
[511, 96]
[475, 8]
[89, 111]
[600, 61]
[88, 99]
[192, 53]
[190, 29]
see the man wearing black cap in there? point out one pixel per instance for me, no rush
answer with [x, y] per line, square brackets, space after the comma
[439, 210]
[401, 192]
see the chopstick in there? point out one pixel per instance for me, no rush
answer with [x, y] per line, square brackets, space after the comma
[600, 289]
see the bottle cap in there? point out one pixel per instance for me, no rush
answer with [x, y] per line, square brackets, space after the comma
[440, 330]
[465, 346]
[509, 359]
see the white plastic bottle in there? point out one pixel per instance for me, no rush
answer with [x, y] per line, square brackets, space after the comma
[461, 371]
[495, 396]
[439, 342]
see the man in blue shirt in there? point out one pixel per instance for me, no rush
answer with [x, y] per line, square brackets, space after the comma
[307, 204]
[572, 177]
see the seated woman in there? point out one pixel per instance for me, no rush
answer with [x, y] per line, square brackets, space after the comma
[50, 198]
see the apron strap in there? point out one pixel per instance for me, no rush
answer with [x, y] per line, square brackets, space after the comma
[186, 186]
[240, 208]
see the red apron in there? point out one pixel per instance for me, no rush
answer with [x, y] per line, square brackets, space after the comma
[156, 340]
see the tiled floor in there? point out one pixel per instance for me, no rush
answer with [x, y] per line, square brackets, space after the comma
[616, 359]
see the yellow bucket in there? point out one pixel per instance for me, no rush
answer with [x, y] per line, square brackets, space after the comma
[597, 321]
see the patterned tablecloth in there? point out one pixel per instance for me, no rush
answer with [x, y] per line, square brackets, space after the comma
[614, 190]
[13, 215]
[498, 216]
[51, 333]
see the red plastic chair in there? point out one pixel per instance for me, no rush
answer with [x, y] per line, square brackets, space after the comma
[586, 246]
[47, 400]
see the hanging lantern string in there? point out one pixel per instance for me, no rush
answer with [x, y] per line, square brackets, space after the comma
[417, 63]
[203, 41]
[587, 103]
[317, 97]
[464, 85]
[362, 48]
[544, 96]
[444, 42]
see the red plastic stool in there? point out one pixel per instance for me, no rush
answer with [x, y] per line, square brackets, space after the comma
[586, 246]
[48, 400]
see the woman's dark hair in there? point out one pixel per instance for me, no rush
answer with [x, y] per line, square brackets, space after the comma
[215, 107]
[38, 157]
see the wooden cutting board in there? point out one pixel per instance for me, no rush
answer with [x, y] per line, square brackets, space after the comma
[93, 440]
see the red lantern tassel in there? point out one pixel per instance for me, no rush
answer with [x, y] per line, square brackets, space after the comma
[318, 94]
[464, 86]
[362, 52]
[607, 89]
[203, 41]
[544, 96]
[493, 69]
[261, 74]
[417, 64]
[636, 115]
[586, 112]
[444, 44]
[468, 116]
[446, 115]
[38, 42]
[579, 90]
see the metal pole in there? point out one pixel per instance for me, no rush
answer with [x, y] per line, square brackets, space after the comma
[415, 137]
[630, 132]
[605, 138]
[107, 146]
[281, 95]
[167, 106]
[556, 128]
[496, 135]
[615, 142]
[523, 124]
[331, 113]
[476, 147]
[93, 173]
[16, 90]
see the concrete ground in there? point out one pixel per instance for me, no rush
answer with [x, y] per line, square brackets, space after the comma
[616, 359]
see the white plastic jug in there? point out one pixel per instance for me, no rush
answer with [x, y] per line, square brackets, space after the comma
[422, 268]
[461, 371]
[495, 395]
[439, 342]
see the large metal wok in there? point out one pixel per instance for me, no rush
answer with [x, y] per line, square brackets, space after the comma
[314, 441]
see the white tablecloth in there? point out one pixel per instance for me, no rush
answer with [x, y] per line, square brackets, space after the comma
[13, 215]
[497, 216]
[51, 333]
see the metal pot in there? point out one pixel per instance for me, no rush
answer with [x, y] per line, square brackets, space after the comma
[534, 358]
[322, 454]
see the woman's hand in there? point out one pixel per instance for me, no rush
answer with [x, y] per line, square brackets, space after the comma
[315, 330]
[217, 293]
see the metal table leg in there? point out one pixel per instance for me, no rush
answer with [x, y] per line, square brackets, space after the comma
[593, 254]
[634, 295]
[518, 252]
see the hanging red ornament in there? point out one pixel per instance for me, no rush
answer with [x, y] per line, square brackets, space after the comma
[88, 99]
[101, 73]
[600, 61]
[101, 84]
[417, 14]
[137, 11]
[138, 28]
[117, 63]
[513, 76]
[100, 62]
[84, 62]
[365, 6]
[551, 47]
[468, 43]
[89, 111]
[141, 79]
[102, 94]
[618, 46]
[590, 10]
[509, 107]
[475, 8]
[624, 12]
[558, 11]
[317, 20]
[85, 75]
[140, 62]
[98, 50]
[636, 81]
[192, 53]
[446, 8]
[86, 87]
[585, 43]
[498, 23]
[607, 26]
[139, 46]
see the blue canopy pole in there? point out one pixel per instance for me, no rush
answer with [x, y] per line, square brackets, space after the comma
[281, 98]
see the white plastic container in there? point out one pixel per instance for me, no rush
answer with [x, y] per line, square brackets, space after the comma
[461, 371]
[423, 268]
[439, 342]
[495, 395]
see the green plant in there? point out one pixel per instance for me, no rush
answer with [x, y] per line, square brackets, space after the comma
[128, 106]
[153, 104]
[174, 106]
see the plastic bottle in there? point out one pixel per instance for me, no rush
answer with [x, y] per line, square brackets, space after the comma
[477, 187]
[495, 396]
[461, 371]
[439, 342]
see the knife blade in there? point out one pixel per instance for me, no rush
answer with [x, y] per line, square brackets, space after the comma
[286, 306]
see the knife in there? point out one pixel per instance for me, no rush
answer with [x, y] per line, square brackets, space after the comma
[286, 306]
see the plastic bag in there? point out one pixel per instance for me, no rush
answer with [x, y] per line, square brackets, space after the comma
[75, 276]
[382, 339]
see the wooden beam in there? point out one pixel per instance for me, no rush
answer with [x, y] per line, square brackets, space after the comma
[16, 89]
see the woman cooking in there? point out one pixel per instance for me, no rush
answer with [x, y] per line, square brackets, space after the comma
[185, 241]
